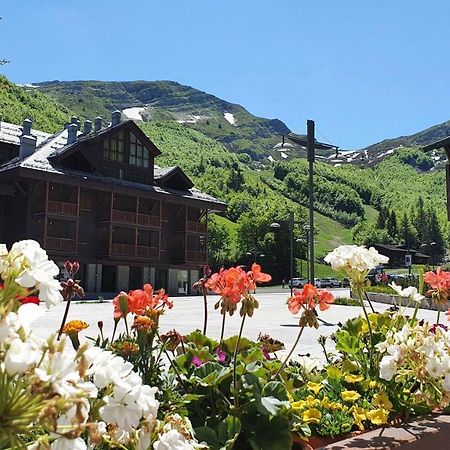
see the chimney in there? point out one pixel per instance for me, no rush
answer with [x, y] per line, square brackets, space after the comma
[87, 127]
[27, 146]
[98, 124]
[26, 127]
[72, 133]
[115, 118]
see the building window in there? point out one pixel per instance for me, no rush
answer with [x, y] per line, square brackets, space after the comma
[113, 148]
[139, 155]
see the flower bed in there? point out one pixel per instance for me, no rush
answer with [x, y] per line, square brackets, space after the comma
[142, 390]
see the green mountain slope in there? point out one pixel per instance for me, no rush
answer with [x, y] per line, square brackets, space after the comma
[17, 104]
[170, 101]
[421, 138]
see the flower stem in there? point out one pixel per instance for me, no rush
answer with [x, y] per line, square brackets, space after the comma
[438, 313]
[222, 332]
[368, 300]
[174, 367]
[369, 326]
[66, 312]
[126, 325]
[114, 330]
[236, 396]
[205, 306]
[292, 350]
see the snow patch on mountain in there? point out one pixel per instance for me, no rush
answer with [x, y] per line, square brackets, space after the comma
[229, 118]
[134, 113]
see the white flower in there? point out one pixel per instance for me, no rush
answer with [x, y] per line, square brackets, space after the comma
[38, 271]
[409, 292]
[388, 367]
[355, 257]
[122, 408]
[172, 440]
[64, 443]
[9, 327]
[148, 402]
[20, 356]
[434, 367]
[27, 314]
[111, 370]
[446, 382]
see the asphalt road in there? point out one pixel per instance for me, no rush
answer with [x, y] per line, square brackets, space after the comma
[272, 318]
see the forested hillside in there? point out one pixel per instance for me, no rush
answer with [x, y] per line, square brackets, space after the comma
[347, 198]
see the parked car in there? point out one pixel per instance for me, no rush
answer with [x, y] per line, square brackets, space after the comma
[327, 282]
[297, 282]
[346, 282]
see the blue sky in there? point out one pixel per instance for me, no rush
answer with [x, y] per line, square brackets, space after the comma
[363, 70]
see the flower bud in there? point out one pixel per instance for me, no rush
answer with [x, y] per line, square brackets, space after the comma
[68, 266]
[75, 267]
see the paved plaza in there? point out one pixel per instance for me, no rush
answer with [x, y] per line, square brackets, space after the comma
[272, 317]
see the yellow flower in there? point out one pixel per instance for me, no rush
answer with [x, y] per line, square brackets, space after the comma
[314, 387]
[311, 415]
[301, 404]
[350, 396]
[373, 384]
[381, 400]
[312, 402]
[336, 406]
[74, 326]
[350, 378]
[378, 416]
[359, 414]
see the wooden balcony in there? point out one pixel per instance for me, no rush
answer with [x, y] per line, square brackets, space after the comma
[60, 244]
[142, 251]
[55, 207]
[135, 218]
[196, 227]
[123, 216]
[192, 255]
[146, 219]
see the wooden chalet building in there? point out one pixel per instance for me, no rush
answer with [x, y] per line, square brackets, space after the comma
[95, 196]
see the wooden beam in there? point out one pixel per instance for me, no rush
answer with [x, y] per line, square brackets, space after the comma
[447, 178]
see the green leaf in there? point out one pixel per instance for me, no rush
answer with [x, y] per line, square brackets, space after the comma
[209, 436]
[270, 433]
[275, 389]
[199, 340]
[334, 373]
[229, 429]
[348, 344]
[230, 344]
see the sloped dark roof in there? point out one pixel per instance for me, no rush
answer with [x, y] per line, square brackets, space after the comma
[437, 144]
[39, 161]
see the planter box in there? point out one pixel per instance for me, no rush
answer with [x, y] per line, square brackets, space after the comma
[397, 300]
[430, 432]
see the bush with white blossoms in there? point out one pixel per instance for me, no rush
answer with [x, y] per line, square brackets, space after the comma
[418, 356]
[55, 397]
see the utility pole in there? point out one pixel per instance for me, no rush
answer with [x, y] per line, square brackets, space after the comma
[311, 156]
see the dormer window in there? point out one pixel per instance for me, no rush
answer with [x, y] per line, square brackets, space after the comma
[139, 155]
[113, 147]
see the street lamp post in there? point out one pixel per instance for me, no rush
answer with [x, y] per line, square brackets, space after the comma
[431, 246]
[311, 145]
[255, 253]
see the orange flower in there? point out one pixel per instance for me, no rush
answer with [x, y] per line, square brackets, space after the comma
[308, 298]
[143, 323]
[439, 283]
[326, 298]
[121, 303]
[439, 280]
[138, 301]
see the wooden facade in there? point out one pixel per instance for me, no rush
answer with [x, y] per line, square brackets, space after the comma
[100, 200]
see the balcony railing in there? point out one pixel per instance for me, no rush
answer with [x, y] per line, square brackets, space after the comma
[56, 207]
[146, 219]
[123, 216]
[192, 255]
[133, 218]
[60, 244]
[196, 227]
[133, 250]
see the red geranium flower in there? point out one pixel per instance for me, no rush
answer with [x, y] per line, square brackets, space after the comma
[308, 298]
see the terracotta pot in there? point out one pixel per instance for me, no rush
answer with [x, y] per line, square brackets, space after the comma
[319, 441]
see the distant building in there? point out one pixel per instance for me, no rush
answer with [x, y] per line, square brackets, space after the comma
[397, 255]
[95, 195]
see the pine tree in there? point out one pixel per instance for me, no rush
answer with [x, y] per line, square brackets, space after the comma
[391, 225]
[436, 238]
[407, 233]
[382, 218]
